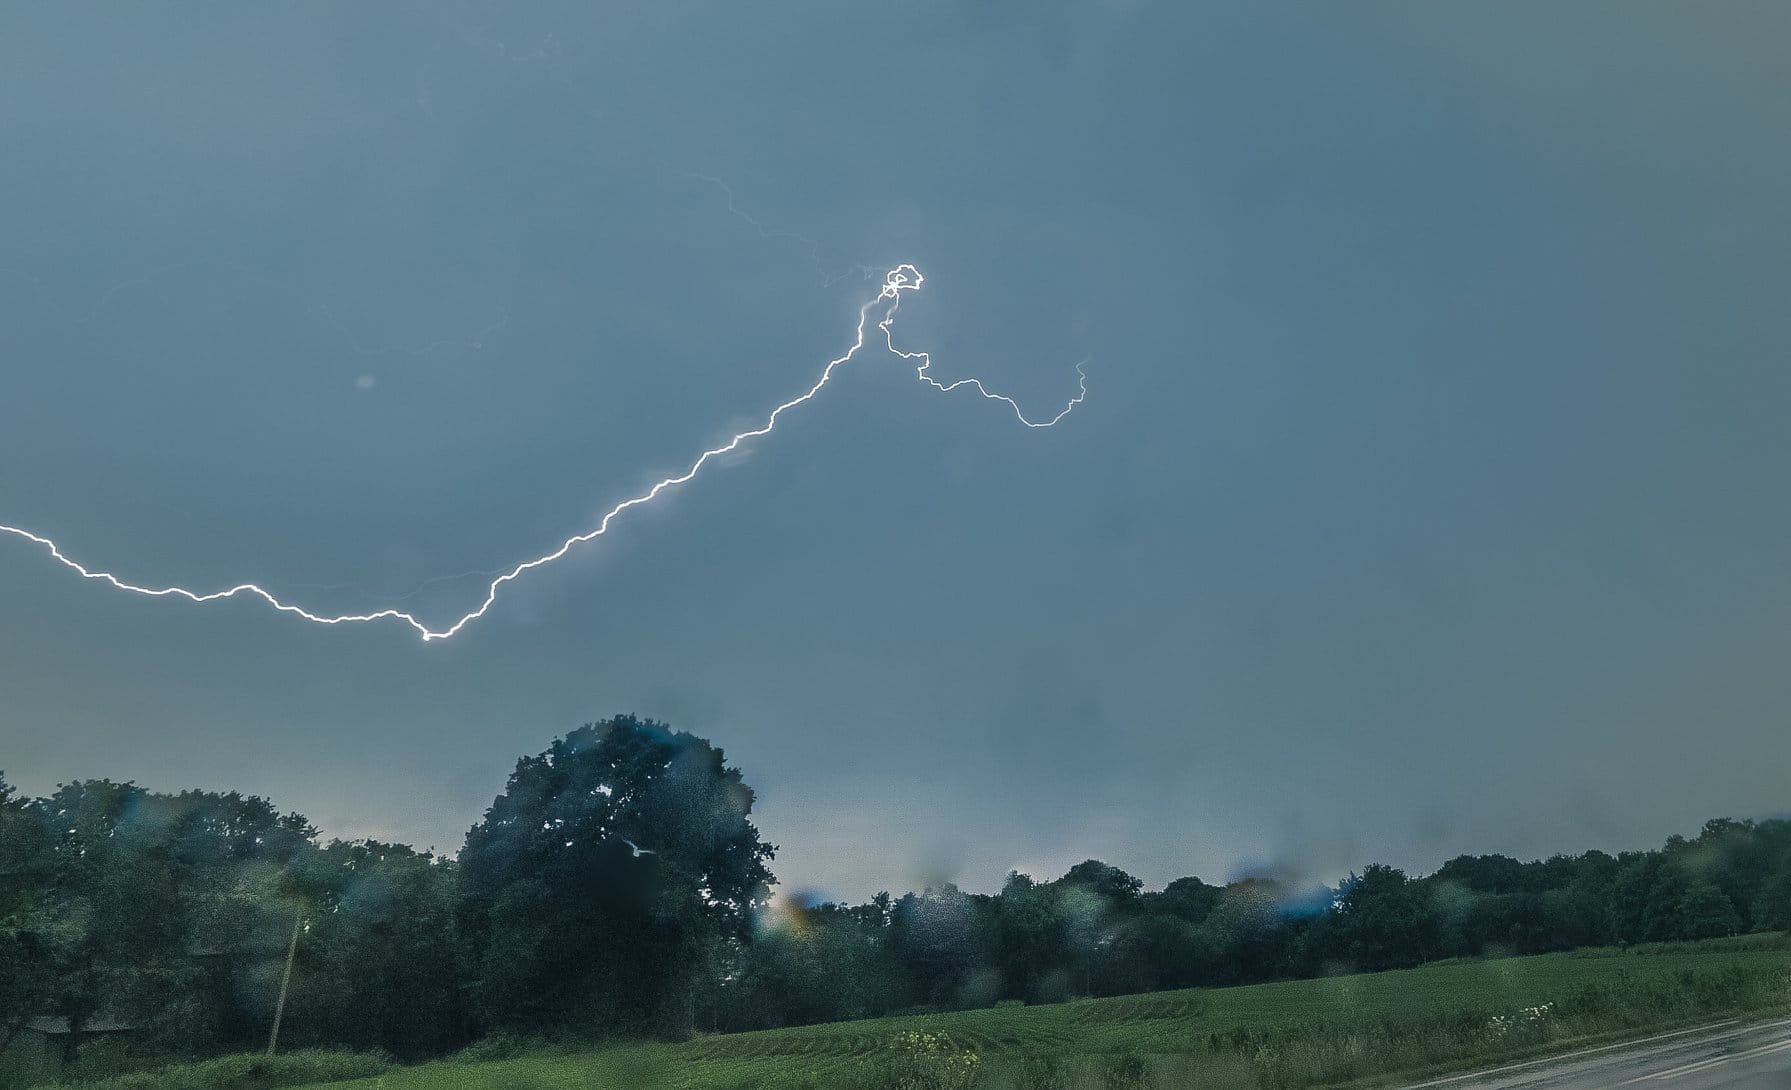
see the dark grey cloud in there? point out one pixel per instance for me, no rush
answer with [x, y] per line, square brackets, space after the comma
[1427, 498]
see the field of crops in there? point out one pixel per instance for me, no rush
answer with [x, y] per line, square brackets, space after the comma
[1335, 1031]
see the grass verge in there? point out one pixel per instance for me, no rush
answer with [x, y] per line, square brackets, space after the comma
[1344, 1031]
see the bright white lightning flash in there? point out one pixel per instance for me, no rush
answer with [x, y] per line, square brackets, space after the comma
[901, 279]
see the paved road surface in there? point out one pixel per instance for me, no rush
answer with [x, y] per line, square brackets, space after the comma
[1731, 1056]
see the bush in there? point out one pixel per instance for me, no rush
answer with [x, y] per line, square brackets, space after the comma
[249, 1071]
[918, 1060]
[1124, 1072]
[502, 1045]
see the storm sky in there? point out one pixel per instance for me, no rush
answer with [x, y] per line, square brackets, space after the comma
[1429, 497]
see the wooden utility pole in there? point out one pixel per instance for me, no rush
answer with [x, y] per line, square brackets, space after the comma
[273, 1036]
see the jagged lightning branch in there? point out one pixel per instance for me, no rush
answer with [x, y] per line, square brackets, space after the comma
[828, 279]
[901, 279]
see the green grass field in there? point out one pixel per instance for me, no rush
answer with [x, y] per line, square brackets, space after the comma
[1347, 1030]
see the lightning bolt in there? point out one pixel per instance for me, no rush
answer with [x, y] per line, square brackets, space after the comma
[903, 278]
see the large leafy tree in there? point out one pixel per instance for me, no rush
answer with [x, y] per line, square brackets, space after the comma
[1095, 901]
[25, 980]
[235, 856]
[1190, 899]
[108, 926]
[598, 883]
[941, 937]
[1379, 920]
[1705, 912]
[1032, 940]
[1244, 933]
[1772, 907]
[823, 963]
[380, 967]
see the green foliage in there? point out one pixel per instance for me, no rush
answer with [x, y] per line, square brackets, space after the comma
[618, 889]
[248, 1071]
[1772, 901]
[173, 913]
[810, 965]
[599, 885]
[25, 976]
[1705, 912]
[382, 956]
[1188, 899]
[106, 924]
[502, 1045]
[921, 1060]
[1380, 921]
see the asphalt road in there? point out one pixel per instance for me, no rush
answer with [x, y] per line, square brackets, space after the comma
[1732, 1056]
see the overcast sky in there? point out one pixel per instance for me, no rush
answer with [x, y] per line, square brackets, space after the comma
[1429, 496]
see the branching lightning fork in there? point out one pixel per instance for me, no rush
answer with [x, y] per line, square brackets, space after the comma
[903, 278]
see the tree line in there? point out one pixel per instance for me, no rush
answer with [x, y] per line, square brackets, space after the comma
[618, 887]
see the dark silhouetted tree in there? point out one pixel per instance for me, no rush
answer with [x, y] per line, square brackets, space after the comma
[109, 926]
[1705, 912]
[1119, 890]
[382, 951]
[1190, 899]
[939, 937]
[1772, 904]
[1242, 936]
[26, 983]
[1032, 940]
[1380, 920]
[595, 887]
